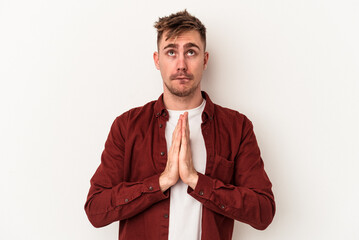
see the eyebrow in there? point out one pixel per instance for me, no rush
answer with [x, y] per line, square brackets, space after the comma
[187, 45]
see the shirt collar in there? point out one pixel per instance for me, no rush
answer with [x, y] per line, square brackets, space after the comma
[208, 112]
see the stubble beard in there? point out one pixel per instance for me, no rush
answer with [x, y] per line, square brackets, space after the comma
[181, 93]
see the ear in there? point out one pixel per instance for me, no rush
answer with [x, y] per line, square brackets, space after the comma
[156, 60]
[205, 61]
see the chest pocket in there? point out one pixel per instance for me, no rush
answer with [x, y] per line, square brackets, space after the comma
[222, 169]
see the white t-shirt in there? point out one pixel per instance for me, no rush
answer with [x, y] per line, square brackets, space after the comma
[186, 212]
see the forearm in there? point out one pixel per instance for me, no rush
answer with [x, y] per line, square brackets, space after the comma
[252, 206]
[125, 200]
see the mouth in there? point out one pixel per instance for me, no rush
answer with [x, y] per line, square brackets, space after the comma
[181, 76]
[182, 79]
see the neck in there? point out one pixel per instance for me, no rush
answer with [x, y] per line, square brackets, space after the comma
[173, 102]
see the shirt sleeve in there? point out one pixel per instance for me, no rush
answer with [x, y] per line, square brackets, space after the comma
[110, 198]
[249, 199]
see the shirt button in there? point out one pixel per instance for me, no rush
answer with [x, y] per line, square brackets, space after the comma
[165, 216]
[201, 193]
[161, 125]
[150, 188]
[162, 153]
[126, 200]
[222, 206]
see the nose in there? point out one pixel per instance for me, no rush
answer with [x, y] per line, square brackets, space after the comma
[181, 63]
[182, 69]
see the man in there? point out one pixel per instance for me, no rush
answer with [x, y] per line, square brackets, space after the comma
[180, 167]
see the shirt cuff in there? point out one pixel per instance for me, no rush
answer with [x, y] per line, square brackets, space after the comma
[203, 189]
[152, 185]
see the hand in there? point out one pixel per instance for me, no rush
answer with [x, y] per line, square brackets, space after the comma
[179, 162]
[187, 172]
[170, 175]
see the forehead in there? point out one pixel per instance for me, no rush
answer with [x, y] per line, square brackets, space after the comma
[191, 36]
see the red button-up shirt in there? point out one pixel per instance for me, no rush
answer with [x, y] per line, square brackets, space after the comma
[126, 187]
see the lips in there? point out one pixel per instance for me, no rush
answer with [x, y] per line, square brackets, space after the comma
[181, 76]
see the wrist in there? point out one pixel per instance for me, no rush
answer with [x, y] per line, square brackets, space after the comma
[165, 182]
[192, 180]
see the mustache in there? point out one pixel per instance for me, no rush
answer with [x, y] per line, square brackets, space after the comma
[181, 74]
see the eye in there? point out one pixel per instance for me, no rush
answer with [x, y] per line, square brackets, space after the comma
[191, 53]
[171, 53]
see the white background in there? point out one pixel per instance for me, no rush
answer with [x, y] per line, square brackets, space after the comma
[68, 68]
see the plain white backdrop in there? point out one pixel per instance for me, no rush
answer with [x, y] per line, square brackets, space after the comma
[68, 68]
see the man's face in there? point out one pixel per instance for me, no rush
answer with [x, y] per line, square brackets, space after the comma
[181, 61]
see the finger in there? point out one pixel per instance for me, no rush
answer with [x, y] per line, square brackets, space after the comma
[187, 125]
[184, 124]
[184, 137]
[176, 130]
[176, 139]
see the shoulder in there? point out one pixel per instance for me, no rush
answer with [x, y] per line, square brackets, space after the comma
[137, 114]
[232, 122]
[230, 115]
